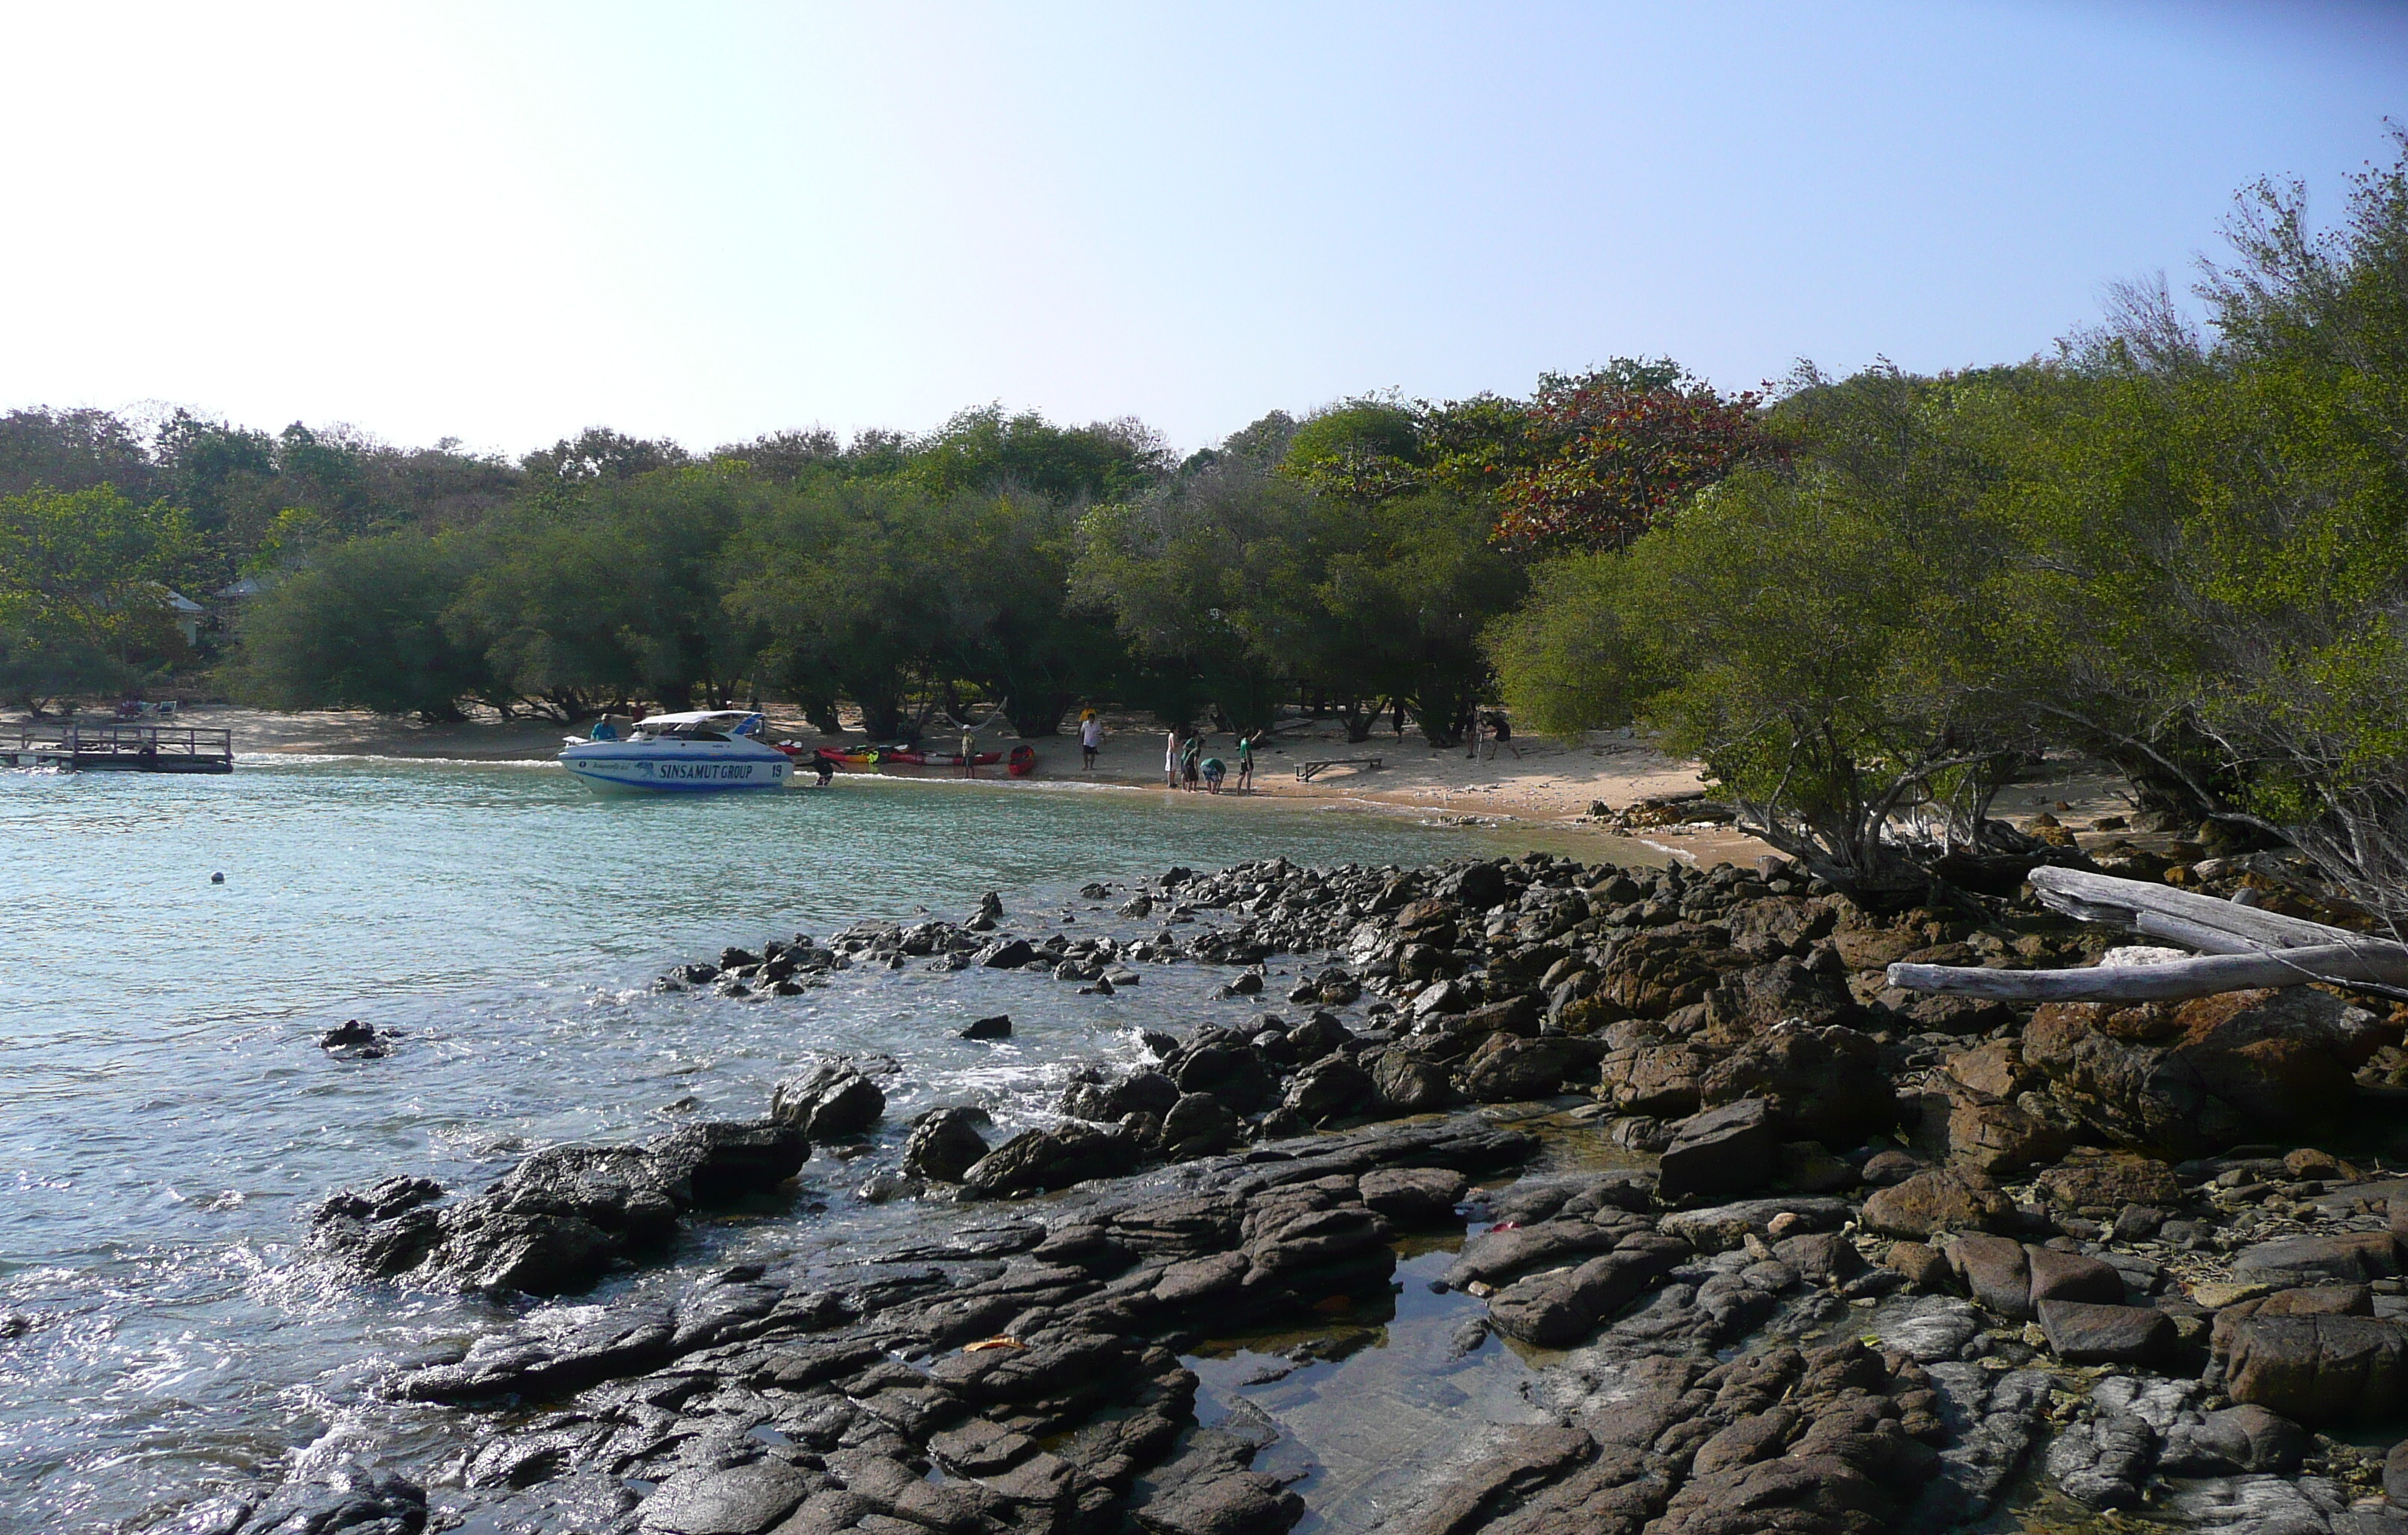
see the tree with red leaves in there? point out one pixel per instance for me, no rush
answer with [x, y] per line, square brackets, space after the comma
[1616, 447]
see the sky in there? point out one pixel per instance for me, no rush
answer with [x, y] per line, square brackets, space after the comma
[503, 222]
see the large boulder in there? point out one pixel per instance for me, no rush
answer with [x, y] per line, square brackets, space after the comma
[1409, 1082]
[2193, 1077]
[1199, 1125]
[2107, 1183]
[1824, 1084]
[1520, 1070]
[1330, 1088]
[830, 1102]
[1722, 1152]
[719, 1162]
[1230, 1073]
[1654, 972]
[944, 1145]
[1558, 1308]
[2085, 1333]
[1937, 1199]
[1749, 1002]
[2320, 1370]
[1660, 1079]
[1037, 1161]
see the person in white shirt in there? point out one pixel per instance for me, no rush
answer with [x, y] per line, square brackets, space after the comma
[1091, 739]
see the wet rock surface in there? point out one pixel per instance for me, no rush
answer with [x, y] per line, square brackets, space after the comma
[1862, 1260]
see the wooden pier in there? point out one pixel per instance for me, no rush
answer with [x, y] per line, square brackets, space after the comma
[117, 748]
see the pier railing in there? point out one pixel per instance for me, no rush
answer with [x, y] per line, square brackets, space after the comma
[136, 748]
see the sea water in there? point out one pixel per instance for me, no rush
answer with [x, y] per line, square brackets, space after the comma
[167, 1121]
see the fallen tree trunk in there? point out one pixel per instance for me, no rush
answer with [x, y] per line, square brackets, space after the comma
[2131, 903]
[2244, 947]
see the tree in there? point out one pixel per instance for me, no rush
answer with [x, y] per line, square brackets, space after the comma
[1610, 450]
[986, 451]
[83, 594]
[1821, 635]
[364, 625]
[837, 588]
[609, 589]
[74, 450]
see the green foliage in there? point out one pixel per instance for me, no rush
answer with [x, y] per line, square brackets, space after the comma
[365, 626]
[83, 591]
[612, 596]
[985, 450]
[1255, 582]
[1364, 450]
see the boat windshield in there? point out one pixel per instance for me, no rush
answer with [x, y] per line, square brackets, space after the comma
[685, 732]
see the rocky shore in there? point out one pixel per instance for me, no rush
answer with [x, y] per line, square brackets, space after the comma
[1847, 1258]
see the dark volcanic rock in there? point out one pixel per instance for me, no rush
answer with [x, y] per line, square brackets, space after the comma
[1940, 1199]
[1411, 1084]
[2192, 1077]
[738, 1500]
[1521, 1069]
[1558, 1308]
[2349, 1259]
[720, 1162]
[944, 1145]
[1199, 1125]
[1414, 1196]
[1331, 1088]
[2082, 1333]
[1822, 1083]
[1721, 1152]
[1035, 1161]
[830, 1102]
[2319, 1370]
[997, 1027]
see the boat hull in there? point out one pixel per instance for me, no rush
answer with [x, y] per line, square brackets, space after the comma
[639, 769]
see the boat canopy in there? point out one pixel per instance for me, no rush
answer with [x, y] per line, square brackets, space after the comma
[736, 722]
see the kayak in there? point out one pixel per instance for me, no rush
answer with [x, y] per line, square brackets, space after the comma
[874, 756]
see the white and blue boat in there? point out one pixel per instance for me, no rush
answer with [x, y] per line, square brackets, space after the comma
[700, 752]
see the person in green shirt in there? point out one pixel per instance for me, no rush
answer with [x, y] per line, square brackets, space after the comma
[1246, 762]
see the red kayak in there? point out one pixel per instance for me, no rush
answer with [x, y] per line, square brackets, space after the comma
[873, 757]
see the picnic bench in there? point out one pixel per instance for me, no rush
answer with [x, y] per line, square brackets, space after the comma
[1311, 771]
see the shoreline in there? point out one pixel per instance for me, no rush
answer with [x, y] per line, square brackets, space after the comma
[1549, 788]
[1036, 1352]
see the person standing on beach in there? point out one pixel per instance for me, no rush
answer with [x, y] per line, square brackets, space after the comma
[1091, 739]
[1396, 718]
[1246, 763]
[1191, 762]
[1171, 761]
[1501, 734]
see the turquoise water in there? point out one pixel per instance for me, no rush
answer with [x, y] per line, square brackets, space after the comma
[166, 1119]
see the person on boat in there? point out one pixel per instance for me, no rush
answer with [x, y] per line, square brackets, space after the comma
[604, 729]
[1246, 762]
[1213, 770]
[1191, 762]
[1091, 739]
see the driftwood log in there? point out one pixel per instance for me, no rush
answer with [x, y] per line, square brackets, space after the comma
[2240, 947]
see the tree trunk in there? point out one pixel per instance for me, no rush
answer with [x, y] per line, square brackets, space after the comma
[883, 717]
[1041, 717]
[2244, 946]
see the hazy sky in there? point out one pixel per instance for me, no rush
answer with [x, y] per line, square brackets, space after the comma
[504, 222]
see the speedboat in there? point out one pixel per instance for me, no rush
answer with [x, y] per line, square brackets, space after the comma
[681, 754]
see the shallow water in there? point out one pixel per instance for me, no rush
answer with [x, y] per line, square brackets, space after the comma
[166, 1121]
